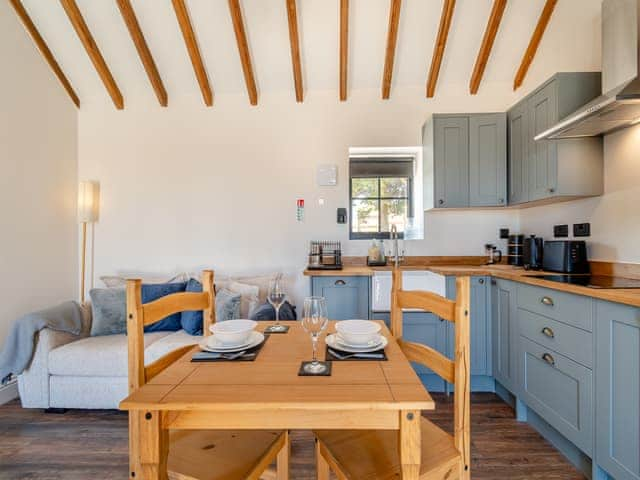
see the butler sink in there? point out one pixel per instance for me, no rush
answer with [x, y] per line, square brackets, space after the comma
[411, 280]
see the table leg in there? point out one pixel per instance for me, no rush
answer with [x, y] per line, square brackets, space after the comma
[153, 446]
[410, 444]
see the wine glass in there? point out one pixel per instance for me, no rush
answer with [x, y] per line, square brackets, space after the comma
[276, 299]
[315, 321]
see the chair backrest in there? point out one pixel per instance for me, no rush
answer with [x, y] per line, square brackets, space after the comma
[139, 315]
[456, 371]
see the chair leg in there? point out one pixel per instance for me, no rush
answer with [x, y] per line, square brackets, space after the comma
[282, 460]
[321, 464]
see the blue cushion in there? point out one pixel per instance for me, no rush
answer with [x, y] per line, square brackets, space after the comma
[267, 312]
[154, 291]
[227, 308]
[109, 311]
[191, 321]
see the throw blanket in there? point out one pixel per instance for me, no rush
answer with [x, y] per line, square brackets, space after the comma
[21, 343]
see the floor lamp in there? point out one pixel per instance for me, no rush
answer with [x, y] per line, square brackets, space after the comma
[88, 201]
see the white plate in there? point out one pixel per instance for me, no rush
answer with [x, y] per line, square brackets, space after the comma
[376, 342]
[334, 342]
[212, 345]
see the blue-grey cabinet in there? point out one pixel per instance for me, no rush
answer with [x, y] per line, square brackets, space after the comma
[617, 374]
[466, 156]
[347, 297]
[517, 151]
[504, 332]
[480, 325]
[544, 169]
[451, 161]
[487, 160]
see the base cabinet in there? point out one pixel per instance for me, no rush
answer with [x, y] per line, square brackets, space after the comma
[347, 296]
[504, 333]
[617, 374]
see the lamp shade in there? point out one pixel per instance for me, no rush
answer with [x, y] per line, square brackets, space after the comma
[88, 200]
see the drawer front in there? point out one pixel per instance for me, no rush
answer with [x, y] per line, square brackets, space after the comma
[569, 341]
[573, 309]
[559, 390]
[347, 297]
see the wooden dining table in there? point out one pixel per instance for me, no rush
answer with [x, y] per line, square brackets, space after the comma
[268, 393]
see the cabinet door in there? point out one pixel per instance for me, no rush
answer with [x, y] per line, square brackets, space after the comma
[488, 160]
[618, 390]
[451, 162]
[426, 329]
[347, 297]
[480, 327]
[518, 142]
[504, 333]
[543, 154]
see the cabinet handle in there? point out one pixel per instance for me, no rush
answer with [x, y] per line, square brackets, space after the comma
[547, 357]
[547, 301]
[552, 190]
[501, 200]
[493, 281]
[481, 281]
[340, 282]
[548, 332]
[441, 202]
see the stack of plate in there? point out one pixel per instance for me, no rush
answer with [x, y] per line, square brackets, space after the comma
[232, 336]
[357, 336]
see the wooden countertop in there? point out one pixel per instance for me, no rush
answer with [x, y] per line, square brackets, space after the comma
[506, 272]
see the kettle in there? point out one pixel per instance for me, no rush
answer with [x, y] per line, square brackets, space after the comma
[533, 253]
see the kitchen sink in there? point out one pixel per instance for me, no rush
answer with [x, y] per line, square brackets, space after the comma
[411, 280]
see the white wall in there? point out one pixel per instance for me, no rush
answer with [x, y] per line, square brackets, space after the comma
[38, 175]
[187, 187]
[615, 216]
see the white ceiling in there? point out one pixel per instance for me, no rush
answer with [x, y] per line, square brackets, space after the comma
[572, 41]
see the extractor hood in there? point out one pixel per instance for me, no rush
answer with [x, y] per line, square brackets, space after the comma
[619, 105]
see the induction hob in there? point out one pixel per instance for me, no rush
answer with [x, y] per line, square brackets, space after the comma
[592, 281]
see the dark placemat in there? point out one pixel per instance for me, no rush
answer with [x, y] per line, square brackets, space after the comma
[358, 358]
[276, 332]
[249, 356]
[303, 373]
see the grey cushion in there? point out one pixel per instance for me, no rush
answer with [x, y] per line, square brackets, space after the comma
[227, 305]
[109, 308]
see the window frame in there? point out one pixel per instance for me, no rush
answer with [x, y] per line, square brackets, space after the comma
[379, 235]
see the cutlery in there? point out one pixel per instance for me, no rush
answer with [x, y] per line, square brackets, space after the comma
[343, 356]
[230, 356]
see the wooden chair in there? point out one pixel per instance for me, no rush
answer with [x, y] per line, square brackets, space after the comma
[370, 455]
[199, 454]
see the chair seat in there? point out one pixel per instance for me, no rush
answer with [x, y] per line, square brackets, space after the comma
[222, 454]
[373, 454]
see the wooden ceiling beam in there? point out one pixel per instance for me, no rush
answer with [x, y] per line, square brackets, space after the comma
[243, 50]
[80, 26]
[294, 40]
[441, 42]
[44, 49]
[530, 53]
[130, 19]
[392, 40]
[344, 48]
[191, 42]
[487, 44]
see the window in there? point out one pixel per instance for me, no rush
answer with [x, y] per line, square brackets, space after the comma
[381, 195]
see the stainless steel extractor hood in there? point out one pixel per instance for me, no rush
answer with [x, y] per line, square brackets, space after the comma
[619, 105]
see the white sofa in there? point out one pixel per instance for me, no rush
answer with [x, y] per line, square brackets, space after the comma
[70, 371]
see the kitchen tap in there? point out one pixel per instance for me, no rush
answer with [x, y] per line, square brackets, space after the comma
[397, 256]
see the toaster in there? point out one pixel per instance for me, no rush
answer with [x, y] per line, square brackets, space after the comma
[565, 256]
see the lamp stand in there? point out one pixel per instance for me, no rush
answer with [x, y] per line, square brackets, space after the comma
[84, 257]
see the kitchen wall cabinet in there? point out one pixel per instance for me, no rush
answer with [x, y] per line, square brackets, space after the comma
[618, 390]
[504, 332]
[545, 169]
[465, 160]
[347, 296]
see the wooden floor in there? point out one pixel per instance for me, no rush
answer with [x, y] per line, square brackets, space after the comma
[93, 445]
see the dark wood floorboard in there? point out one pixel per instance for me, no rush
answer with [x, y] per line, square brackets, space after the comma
[85, 445]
